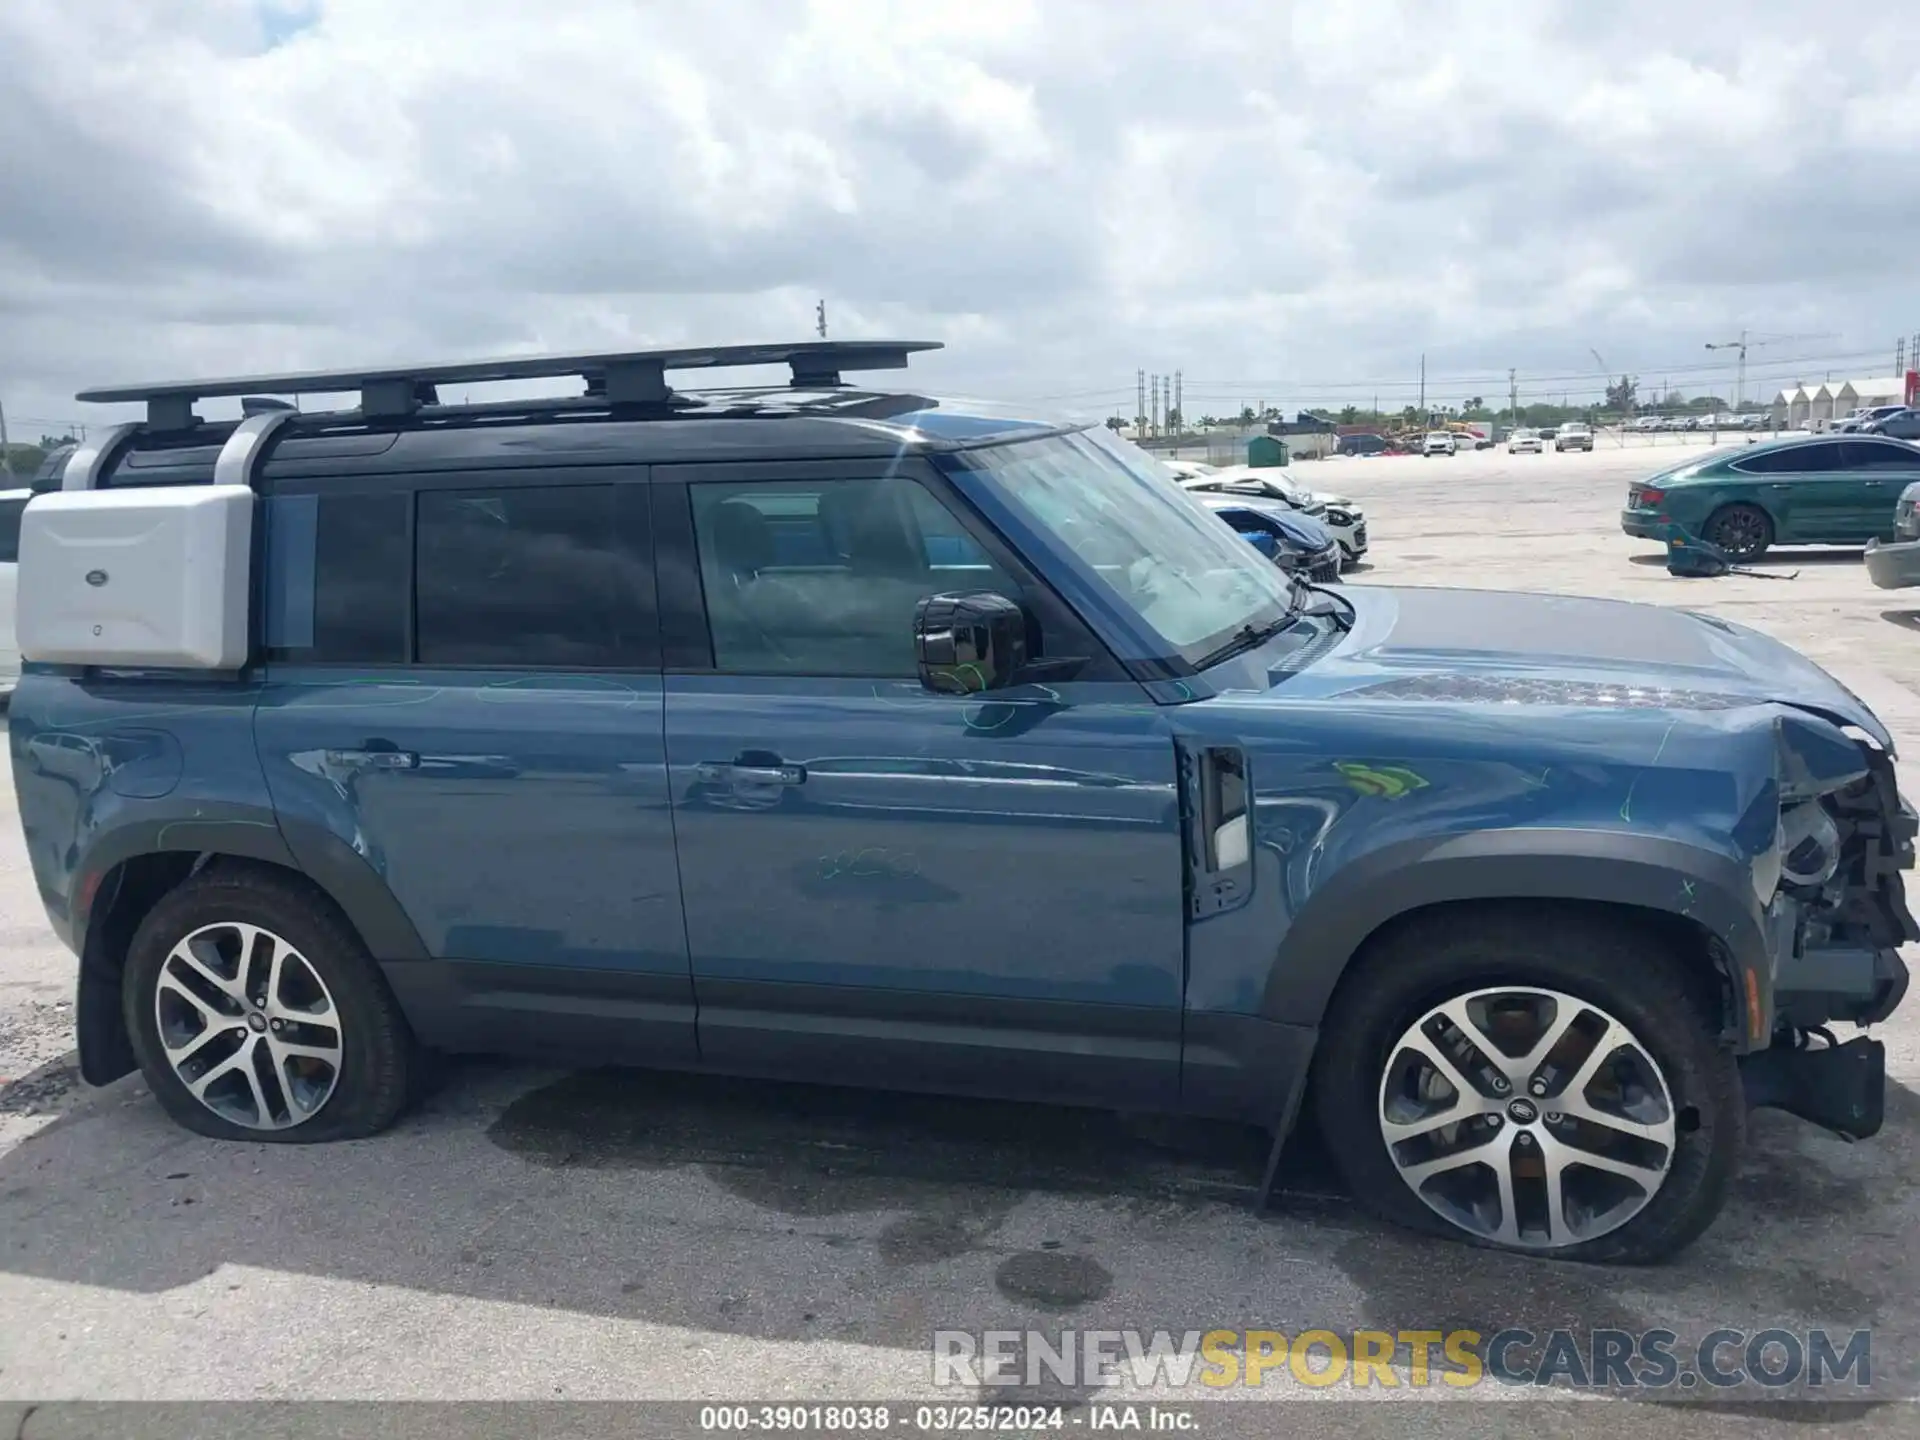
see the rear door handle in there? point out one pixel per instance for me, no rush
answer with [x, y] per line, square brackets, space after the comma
[752, 774]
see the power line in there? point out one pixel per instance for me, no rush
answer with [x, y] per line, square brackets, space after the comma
[1776, 368]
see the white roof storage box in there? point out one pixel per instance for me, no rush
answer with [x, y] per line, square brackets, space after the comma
[154, 576]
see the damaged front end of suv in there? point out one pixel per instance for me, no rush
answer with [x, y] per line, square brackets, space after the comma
[1838, 915]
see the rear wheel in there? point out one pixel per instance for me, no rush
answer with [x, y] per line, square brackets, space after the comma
[1533, 1081]
[1745, 532]
[256, 1013]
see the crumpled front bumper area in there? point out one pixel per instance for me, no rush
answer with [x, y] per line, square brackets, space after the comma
[1845, 964]
[1842, 1088]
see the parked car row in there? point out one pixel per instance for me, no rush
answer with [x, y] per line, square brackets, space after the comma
[1650, 424]
[1865, 418]
[1335, 517]
[1808, 490]
[1900, 422]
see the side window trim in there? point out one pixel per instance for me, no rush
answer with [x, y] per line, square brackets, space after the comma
[686, 643]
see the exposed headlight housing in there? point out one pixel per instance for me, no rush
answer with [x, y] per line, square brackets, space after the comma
[1339, 516]
[1809, 845]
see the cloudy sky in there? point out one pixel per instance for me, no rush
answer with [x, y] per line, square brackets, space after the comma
[1285, 202]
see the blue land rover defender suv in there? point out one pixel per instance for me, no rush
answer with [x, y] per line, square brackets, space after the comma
[843, 733]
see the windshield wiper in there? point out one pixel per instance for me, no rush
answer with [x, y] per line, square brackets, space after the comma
[1248, 636]
[1343, 618]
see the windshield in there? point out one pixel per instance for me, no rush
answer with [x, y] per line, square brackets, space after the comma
[1156, 549]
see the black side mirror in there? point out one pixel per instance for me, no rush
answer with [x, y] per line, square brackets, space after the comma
[969, 643]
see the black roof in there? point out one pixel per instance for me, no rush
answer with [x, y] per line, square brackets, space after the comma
[780, 424]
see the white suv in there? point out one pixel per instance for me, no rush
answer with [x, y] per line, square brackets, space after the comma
[12, 502]
[1439, 442]
[1573, 436]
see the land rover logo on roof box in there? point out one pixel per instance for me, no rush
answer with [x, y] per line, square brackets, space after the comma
[96, 578]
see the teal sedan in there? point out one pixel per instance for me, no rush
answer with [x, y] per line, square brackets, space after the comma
[1813, 490]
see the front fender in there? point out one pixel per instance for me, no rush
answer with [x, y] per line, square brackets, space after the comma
[1607, 867]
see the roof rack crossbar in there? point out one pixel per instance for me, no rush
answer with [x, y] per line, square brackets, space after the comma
[635, 377]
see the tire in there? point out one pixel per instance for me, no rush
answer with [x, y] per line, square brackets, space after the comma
[1591, 959]
[1744, 531]
[325, 975]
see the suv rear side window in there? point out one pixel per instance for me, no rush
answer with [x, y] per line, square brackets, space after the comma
[10, 508]
[535, 576]
[337, 577]
[530, 576]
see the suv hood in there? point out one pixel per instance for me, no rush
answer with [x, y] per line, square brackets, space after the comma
[1500, 647]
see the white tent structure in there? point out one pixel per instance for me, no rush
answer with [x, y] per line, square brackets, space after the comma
[1879, 390]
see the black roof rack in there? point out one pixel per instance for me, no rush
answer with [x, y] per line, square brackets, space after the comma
[629, 377]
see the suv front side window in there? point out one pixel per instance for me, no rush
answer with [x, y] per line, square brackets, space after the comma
[821, 577]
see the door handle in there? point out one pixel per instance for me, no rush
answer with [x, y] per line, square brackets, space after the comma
[752, 774]
[373, 759]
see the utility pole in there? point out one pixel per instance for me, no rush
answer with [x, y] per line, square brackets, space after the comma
[820, 318]
[1743, 344]
[1513, 397]
[1179, 416]
[1740, 380]
[1139, 403]
[1153, 404]
[1423, 387]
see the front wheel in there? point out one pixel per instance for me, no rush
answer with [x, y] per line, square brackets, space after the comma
[1745, 532]
[1531, 1081]
[256, 1013]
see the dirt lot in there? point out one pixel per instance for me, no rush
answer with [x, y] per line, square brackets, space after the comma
[538, 1235]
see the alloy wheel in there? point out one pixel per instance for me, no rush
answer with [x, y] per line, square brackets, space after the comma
[1741, 533]
[1527, 1117]
[248, 1026]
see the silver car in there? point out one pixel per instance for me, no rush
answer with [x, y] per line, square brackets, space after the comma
[1896, 565]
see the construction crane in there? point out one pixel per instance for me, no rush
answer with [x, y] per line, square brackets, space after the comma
[1745, 343]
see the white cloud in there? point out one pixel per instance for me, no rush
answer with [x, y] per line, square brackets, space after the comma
[1285, 202]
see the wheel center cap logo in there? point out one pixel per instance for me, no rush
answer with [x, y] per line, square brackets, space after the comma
[1523, 1112]
[257, 1023]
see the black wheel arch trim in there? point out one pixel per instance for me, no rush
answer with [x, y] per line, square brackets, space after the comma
[254, 833]
[240, 832]
[1594, 866]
